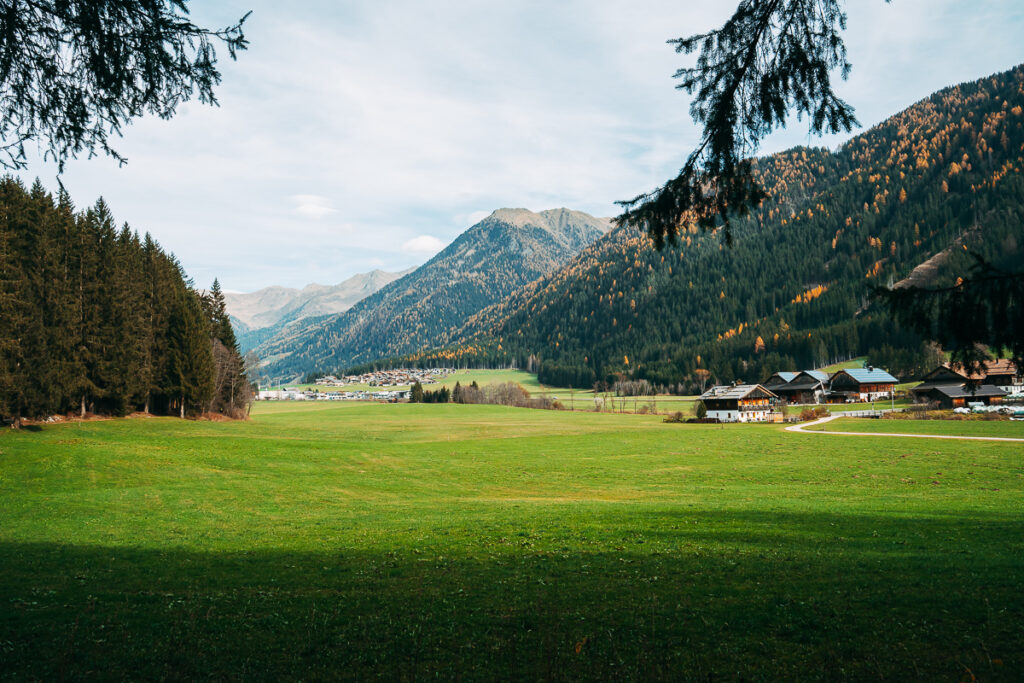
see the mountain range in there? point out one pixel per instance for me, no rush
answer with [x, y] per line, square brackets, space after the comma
[489, 261]
[258, 316]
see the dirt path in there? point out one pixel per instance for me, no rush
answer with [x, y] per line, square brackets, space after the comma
[802, 428]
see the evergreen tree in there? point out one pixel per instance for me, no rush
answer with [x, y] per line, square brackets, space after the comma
[93, 318]
[190, 358]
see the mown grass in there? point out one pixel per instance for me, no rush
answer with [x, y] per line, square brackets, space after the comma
[969, 427]
[478, 542]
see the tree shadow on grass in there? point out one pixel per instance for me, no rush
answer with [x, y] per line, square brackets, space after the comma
[718, 595]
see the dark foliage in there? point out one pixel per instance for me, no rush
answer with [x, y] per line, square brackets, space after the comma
[772, 57]
[95, 319]
[73, 73]
[975, 317]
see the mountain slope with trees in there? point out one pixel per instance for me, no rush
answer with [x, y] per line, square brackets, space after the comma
[492, 259]
[793, 291]
[94, 318]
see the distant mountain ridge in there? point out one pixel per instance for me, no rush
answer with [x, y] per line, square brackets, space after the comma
[257, 316]
[489, 261]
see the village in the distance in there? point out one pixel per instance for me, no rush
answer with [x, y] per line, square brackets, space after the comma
[995, 387]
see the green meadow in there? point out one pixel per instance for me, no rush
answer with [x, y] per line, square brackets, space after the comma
[969, 427]
[397, 541]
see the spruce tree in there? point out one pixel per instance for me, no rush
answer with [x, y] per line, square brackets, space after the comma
[190, 358]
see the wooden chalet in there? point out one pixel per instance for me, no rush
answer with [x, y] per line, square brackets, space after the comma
[1001, 373]
[779, 379]
[949, 396]
[809, 386]
[951, 386]
[739, 403]
[862, 384]
[1004, 374]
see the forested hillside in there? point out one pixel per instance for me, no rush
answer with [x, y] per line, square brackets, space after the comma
[95, 319]
[492, 259]
[942, 177]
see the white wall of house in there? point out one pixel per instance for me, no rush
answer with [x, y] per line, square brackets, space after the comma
[740, 415]
[875, 395]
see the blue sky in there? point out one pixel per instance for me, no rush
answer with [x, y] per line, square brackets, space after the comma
[361, 135]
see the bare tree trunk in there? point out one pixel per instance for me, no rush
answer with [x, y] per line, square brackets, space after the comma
[182, 412]
[146, 409]
[82, 412]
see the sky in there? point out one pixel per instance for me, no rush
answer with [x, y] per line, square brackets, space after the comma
[357, 135]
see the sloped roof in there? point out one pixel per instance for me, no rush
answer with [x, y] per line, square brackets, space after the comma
[960, 391]
[1003, 366]
[869, 375]
[729, 392]
[796, 381]
[809, 379]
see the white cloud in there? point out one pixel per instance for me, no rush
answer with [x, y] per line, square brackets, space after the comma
[424, 244]
[312, 206]
[349, 129]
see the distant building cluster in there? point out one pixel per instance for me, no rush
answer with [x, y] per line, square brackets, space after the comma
[853, 385]
[296, 394]
[379, 381]
[947, 386]
[399, 377]
[760, 402]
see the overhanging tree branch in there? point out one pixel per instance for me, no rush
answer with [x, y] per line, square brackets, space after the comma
[772, 57]
[73, 73]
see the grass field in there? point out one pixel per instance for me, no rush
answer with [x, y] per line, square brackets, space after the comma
[477, 542]
[996, 428]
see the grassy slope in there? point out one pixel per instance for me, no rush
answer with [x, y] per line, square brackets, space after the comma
[412, 540]
[845, 365]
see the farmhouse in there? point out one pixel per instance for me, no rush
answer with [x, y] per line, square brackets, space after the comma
[959, 395]
[809, 386]
[862, 384]
[739, 403]
[951, 386]
[999, 373]
[1005, 375]
[779, 379]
